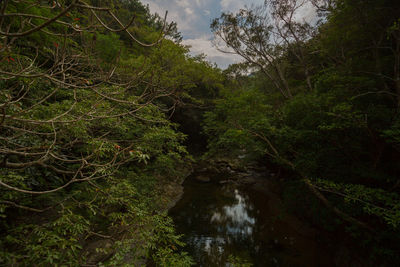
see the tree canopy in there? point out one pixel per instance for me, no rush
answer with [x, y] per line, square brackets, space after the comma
[322, 101]
[87, 148]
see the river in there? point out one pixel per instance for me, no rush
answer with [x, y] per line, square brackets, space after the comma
[221, 221]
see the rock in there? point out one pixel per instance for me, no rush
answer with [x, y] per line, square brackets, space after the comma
[248, 180]
[203, 178]
[227, 182]
[229, 169]
[173, 193]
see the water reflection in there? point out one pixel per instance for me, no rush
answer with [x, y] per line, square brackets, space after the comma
[219, 221]
[236, 216]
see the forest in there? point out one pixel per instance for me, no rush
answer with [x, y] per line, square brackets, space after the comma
[104, 113]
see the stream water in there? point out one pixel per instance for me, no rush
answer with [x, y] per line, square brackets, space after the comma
[219, 221]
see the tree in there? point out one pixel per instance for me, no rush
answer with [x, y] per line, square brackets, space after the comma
[72, 70]
[84, 139]
[263, 36]
[338, 132]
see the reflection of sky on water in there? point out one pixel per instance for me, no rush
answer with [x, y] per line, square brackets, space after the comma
[219, 221]
[224, 222]
[235, 216]
[209, 244]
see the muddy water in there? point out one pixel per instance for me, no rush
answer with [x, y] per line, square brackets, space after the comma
[219, 221]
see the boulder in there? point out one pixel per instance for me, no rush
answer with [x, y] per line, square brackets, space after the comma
[203, 178]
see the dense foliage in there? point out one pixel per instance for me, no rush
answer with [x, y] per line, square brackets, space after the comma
[322, 101]
[95, 98]
[89, 156]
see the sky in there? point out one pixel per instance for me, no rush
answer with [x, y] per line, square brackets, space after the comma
[194, 18]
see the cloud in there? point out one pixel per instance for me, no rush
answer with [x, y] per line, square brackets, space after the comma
[235, 5]
[194, 17]
[307, 13]
[180, 11]
[182, 3]
[203, 45]
[189, 11]
[185, 12]
[199, 3]
[230, 5]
